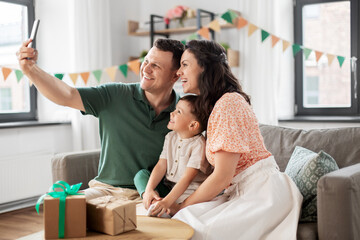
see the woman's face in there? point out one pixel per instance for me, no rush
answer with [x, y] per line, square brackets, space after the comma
[189, 72]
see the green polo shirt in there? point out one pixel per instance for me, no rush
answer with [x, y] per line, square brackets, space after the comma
[131, 134]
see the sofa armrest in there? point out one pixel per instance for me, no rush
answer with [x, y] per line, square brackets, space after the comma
[75, 167]
[338, 204]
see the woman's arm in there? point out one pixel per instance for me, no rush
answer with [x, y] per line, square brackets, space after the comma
[156, 175]
[179, 188]
[224, 170]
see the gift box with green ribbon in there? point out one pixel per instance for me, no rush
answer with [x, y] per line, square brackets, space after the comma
[64, 211]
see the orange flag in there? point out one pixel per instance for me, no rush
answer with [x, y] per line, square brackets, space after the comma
[85, 76]
[6, 72]
[74, 77]
[214, 25]
[274, 40]
[286, 44]
[318, 55]
[241, 22]
[330, 58]
[204, 32]
[134, 66]
[111, 71]
[252, 29]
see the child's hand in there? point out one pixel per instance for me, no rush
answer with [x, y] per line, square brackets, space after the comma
[160, 208]
[150, 197]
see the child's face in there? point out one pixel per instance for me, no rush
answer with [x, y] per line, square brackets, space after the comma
[181, 118]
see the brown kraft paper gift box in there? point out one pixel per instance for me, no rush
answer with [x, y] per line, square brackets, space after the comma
[75, 217]
[110, 215]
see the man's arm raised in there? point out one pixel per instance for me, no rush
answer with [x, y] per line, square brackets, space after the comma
[50, 86]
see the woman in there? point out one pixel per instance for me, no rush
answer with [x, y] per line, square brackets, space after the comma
[259, 202]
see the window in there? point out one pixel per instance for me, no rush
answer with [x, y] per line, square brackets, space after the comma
[17, 98]
[330, 27]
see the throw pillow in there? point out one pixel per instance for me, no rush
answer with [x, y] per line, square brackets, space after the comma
[306, 167]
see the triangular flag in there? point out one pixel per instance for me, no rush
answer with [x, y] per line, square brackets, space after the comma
[318, 55]
[341, 60]
[241, 22]
[307, 52]
[59, 75]
[274, 40]
[252, 29]
[264, 35]
[214, 25]
[6, 72]
[124, 68]
[19, 75]
[192, 36]
[286, 44]
[296, 48]
[183, 42]
[233, 15]
[134, 66]
[204, 32]
[111, 71]
[73, 77]
[85, 76]
[97, 74]
[330, 58]
[227, 17]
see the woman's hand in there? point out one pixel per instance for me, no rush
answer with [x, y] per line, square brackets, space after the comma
[149, 197]
[175, 208]
[27, 57]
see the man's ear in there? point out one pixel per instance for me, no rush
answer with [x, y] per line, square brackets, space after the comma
[194, 126]
[175, 77]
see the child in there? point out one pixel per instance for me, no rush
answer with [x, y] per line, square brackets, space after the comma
[182, 160]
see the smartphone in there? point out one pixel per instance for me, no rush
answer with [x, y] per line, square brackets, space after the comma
[34, 31]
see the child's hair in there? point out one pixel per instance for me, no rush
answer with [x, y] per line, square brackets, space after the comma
[198, 113]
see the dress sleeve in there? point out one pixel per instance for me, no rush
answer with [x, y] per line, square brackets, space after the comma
[228, 128]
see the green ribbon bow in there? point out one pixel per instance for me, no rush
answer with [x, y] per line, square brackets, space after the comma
[67, 190]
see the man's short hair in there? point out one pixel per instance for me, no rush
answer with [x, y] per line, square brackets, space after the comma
[171, 45]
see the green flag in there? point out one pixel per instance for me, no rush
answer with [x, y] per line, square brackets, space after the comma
[233, 15]
[296, 48]
[227, 17]
[18, 74]
[193, 36]
[341, 60]
[307, 53]
[59, 75]
[97, 74]
[124, 69]
[183, 42]
[264, 35]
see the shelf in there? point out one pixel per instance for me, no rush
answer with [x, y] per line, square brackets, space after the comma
[133, 26]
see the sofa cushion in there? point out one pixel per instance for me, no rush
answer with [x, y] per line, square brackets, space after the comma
[306, 168]
[341, 143]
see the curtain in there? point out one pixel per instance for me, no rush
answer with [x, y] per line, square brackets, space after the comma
[90, 49]
[266, 73]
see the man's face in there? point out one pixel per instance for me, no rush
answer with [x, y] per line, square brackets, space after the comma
[156, 73]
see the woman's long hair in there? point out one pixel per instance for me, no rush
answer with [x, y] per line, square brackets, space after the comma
[216, 78]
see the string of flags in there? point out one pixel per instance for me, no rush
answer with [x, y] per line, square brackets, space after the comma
[229, 16]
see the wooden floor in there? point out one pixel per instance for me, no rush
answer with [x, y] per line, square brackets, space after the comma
[20, 223]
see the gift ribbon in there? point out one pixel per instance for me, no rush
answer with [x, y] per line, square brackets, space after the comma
[67, 191]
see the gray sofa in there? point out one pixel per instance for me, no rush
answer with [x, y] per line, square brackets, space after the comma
[338, 192]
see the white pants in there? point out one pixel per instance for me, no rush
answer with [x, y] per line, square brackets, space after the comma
[261, 203]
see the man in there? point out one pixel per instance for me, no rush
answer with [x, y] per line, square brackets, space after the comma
[132, 117]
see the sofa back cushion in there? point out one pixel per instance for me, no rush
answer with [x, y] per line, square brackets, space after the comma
[343, 144]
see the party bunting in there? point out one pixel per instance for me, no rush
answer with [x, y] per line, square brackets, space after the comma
[59, 75]
[85, 76]
[318, 55]
[204, 32]
[73, 77]
[111, 71]
[214, 25]
[241, 22]
[307, 52]
[227, 17]
[264, 35]
[183, 42]
[6, 72]
[19, 74]
[192, 36]
[233, 15]
[252, 28]
[296, 48]
[341, 60]
[124, 68]
[330, 58]
[97, 74]
[274, 40]
[135, 66]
